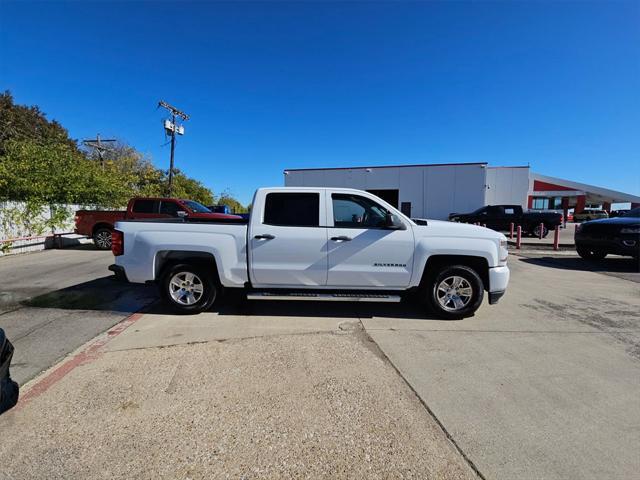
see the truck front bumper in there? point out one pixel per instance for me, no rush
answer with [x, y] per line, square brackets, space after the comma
[498, 281]
[119, 272]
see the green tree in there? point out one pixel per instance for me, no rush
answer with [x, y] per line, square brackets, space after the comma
[188, 188]
[227, 198]
[20, 122]
[56, 173]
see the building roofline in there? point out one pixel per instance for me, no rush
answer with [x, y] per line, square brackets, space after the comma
[514, 166]
[385, 166]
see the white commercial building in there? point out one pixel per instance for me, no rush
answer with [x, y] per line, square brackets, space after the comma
[435, 190]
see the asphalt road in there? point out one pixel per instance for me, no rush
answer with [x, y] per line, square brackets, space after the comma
[54, 301]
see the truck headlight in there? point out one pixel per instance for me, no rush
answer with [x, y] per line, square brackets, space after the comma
[635, 229]
[504, 251]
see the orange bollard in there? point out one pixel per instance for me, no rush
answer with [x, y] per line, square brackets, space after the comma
[556, 238]
[518, 237]
[511, 230]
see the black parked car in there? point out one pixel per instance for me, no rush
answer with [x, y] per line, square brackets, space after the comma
[619, 235]
[499, 217]
[9, 389]
[618, 213]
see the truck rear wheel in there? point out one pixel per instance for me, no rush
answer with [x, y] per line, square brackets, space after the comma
[455, 292]
[102, 238]
[186, 289]
[536, 231]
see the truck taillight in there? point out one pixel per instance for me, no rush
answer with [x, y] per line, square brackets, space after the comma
[117, 242]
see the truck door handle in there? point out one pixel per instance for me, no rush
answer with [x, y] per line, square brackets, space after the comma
[341, 238]
[265, 236]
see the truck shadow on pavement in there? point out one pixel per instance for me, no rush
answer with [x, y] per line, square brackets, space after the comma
[108, 294]
[105, 294]
[234, 304]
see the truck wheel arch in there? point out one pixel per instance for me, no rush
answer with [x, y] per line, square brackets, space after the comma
[166, 258]
[435, 262]
[101, 225]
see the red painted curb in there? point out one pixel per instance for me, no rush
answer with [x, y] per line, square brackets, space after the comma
[90, 353]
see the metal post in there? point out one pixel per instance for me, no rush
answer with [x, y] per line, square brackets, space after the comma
[556, 238]
[541, 231]
[518, 237]
[511, 230]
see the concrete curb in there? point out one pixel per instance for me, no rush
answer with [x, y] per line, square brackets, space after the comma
[85, 354]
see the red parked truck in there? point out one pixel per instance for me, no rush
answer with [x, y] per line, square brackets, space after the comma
[98, 224]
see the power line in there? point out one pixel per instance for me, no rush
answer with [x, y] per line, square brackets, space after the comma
[171, 127]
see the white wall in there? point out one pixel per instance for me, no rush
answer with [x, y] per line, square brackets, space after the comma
[434, 191]
[507, 186]
[16, 237]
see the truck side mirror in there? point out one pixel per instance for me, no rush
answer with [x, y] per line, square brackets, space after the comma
[182, 214]
[392, 223]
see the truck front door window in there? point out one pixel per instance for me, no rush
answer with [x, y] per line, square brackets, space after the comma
[169, 208]
[352, 211]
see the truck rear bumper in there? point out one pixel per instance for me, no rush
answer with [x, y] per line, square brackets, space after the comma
[121, 275]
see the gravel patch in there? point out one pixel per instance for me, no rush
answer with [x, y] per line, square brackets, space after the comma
[299, 406]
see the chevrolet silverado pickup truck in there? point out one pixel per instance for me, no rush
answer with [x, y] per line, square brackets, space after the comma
[98, 224]
[499, 217]
[332, 244]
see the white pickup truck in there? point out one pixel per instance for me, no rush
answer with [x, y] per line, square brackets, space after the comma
[315, 244]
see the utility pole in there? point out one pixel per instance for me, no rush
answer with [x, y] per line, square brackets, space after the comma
[172, 128]
[98, 147]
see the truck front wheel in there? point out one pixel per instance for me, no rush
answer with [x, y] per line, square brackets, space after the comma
[102, 238]
[455, 292]
[187, 289]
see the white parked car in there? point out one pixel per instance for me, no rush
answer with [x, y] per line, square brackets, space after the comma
[315, 244]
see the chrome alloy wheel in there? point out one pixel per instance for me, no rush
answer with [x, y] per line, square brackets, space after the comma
[103, 239]
[454, 293]
[186, 288]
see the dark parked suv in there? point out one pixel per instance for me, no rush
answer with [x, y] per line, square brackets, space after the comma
[619, 236]
[9, 389]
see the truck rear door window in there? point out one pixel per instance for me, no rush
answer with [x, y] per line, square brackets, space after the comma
[292, 209]
[145, 206]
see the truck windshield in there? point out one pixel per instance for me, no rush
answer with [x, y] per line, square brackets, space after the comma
[196, 207]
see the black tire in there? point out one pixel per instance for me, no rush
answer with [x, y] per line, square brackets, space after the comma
[590, 253]
[102, 238]
[179, 286]
[447, 308]
[536, 231]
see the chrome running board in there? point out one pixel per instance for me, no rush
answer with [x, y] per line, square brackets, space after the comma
[325, 297]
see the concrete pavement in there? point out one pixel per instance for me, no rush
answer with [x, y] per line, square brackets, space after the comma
[544, 385]
[51, 302]
[316, 400]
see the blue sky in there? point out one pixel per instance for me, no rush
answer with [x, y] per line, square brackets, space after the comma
[271, 86]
